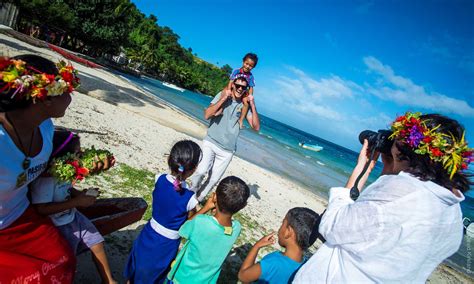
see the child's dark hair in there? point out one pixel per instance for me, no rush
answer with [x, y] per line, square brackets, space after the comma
[304, 222]
[251, 56]
[184, 158]
[64, 141]
[35, 64]
[232, 194]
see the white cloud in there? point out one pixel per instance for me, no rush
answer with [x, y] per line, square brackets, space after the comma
[337, 109]
[404, 92]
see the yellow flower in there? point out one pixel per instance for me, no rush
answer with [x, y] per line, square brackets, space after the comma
[10, 76]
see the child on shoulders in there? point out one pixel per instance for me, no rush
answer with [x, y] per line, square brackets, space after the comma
[297, 233]
[210, 238]
[249, 62]
[158, 243]
[59, 200]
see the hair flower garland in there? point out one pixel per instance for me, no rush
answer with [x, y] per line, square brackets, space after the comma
[75, 167]
[412, 130]
[29, 84]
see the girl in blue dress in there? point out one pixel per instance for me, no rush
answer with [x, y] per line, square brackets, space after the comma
[157, 245]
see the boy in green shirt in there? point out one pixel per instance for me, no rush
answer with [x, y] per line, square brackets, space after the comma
[210, 238]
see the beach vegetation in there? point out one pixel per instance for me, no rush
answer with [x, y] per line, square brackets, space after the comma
[102, 28]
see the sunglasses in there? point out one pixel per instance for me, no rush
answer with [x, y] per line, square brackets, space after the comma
[238, 86]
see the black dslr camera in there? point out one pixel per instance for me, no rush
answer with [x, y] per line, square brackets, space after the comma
[377, 140]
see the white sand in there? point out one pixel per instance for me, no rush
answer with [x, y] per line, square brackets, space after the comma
[140, 129]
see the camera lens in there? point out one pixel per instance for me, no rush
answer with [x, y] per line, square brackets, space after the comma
[378, 140]
[367, 134]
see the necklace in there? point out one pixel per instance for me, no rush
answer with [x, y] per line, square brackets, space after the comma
[27, 161]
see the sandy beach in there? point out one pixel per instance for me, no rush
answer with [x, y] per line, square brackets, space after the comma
[109, 112]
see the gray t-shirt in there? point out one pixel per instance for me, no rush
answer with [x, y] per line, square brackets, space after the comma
[224, 129]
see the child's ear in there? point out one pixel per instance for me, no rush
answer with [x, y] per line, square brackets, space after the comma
[290, 233]
[214, 198]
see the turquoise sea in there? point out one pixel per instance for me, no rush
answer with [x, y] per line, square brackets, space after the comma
[276, 148]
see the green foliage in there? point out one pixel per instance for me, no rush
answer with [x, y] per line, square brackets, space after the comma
[96, 27]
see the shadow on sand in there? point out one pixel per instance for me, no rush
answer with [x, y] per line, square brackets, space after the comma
[114, 94]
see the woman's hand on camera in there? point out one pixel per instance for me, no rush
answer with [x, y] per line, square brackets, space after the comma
[364, 156]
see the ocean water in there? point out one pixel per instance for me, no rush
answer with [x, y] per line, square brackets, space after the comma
[276, 148]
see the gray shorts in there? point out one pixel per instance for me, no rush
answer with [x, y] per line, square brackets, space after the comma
[81, 234]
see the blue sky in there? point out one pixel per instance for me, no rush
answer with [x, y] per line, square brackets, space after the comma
[334, 68]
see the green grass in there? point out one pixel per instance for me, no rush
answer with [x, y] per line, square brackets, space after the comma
[125, 181]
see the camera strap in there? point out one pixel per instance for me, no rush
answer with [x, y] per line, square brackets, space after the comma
[355, 192]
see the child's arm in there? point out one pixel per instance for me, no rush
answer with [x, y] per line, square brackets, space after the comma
[81, 200]
[251, 271]
[210, 204]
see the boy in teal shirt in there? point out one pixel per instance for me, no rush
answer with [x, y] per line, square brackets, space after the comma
[210, 238]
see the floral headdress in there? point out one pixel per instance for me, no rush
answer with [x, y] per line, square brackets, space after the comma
[412, 130]
[31, 84]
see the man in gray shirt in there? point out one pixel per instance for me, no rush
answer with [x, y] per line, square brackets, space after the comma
[219, 145]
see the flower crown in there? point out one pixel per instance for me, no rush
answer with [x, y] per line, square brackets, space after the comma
[17, 75]
[411, 130]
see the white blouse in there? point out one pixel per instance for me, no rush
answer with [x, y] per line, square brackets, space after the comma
[398, 230]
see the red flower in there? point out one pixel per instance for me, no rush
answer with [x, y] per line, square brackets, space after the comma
[82, 171]
[4, 63]
[74, 163]
[436, 152]
[67, 76]
[42, 94]
[50, 77]
[464, 166]
[427, 139]
[413, 120]
[400, 118]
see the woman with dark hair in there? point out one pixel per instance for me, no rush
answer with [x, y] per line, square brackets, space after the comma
[32, 91]
[405, 223]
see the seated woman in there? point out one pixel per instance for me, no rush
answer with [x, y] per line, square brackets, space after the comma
[32, 91]
[405, 223]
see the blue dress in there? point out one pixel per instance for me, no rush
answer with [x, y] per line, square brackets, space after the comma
[153, 252]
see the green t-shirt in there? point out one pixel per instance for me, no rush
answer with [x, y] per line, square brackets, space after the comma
[207, 246]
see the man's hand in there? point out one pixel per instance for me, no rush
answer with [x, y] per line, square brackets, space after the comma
[225, 94]
[267, 240]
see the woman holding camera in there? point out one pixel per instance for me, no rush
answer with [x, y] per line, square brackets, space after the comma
[405, 223]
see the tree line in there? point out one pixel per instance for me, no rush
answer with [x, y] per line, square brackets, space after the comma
[99, 27]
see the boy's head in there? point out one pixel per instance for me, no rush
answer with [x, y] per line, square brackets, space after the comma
[249, 62]
[299, 226]
[231, 195]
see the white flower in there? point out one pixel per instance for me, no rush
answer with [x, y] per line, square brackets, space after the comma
[56, 88]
